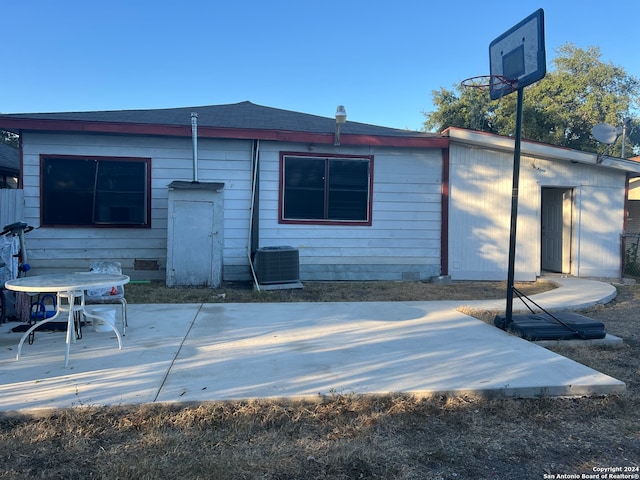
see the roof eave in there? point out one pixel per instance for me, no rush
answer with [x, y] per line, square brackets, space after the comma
[43, 125]
[501, 142]
[555, 152]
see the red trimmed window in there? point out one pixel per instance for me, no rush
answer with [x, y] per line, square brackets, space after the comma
[326, 189]
[94, 191]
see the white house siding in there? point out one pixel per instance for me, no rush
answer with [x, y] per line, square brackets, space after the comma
[598, 240]
[480, 214]
[71, 249]
[403, 242]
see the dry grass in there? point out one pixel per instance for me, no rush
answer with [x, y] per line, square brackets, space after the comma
[237, 292]
[346, 436]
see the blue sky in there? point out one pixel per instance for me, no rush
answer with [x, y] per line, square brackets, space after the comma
[381, 60]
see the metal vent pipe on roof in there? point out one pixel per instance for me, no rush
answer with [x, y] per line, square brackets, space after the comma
[194, 136]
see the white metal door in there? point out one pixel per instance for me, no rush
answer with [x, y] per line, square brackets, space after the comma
[193, 231]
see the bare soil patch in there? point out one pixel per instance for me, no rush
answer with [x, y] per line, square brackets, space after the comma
[243, 292]
[348, 436]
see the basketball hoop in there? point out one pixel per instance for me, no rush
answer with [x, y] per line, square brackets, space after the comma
[494, 83]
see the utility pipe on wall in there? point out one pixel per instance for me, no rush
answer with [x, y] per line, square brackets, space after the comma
[255, 153]
[194, 136]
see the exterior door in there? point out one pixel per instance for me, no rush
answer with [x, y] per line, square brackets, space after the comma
[556, 219]
[193, 251]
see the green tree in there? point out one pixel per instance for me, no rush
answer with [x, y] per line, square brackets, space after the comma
[579, 92]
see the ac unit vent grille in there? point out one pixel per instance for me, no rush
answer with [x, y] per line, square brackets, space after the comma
[277, 265]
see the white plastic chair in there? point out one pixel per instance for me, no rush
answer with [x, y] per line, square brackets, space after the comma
[108, 296]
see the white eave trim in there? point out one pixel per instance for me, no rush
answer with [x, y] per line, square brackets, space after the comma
[620, 164]
[551, 152]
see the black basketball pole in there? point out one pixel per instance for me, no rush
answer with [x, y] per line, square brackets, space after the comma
[514, 210]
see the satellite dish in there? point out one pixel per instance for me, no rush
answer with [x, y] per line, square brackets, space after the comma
[605, 133]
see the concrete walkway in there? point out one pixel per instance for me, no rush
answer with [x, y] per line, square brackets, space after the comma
[199, 352]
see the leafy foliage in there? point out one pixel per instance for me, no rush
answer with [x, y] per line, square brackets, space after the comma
[561, 109]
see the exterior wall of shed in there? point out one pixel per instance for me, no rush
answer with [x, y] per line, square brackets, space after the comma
[480, 214]
[403, 243]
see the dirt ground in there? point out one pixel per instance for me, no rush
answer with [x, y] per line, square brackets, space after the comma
[243, 292]
[349, 436]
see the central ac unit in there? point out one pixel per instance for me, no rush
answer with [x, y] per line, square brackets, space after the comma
[277, 265]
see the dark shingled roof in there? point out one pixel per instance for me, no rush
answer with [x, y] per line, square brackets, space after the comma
[243, 116]
[9, 159]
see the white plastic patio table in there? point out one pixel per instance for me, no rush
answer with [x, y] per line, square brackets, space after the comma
[68, 286]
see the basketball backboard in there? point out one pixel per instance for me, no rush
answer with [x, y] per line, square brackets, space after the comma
[518, 55]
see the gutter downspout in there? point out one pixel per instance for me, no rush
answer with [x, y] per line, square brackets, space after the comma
[255, 163]
[194, 137]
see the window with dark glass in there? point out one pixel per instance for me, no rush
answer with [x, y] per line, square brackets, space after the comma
[329, 189]
[95, 191]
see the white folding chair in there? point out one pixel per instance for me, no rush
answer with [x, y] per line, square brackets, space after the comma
[113, 295]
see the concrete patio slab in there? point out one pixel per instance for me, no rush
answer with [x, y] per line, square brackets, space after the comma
[178, 353]
[98, 373]
[313, 349]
